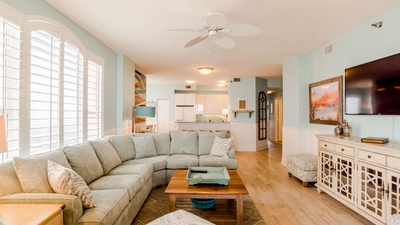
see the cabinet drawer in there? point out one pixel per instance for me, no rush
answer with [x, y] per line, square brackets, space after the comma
[346, 150]
[393, 162]
[327, 145]
[372, 157]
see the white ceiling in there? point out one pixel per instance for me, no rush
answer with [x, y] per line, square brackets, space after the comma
[138, 29]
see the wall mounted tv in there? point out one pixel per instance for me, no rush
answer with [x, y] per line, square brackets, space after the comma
[373, 88]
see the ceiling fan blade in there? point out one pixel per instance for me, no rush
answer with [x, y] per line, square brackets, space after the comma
[225, 41]
[196, 40]
[243, 30]
[217, 19]
[186, 30]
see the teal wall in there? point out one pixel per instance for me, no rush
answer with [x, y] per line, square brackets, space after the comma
[362, 44]
[245, 89]
[91, 43]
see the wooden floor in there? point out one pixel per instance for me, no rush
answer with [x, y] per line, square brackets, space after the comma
[284, 200]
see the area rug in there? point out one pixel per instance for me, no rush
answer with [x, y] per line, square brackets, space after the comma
[157, 205]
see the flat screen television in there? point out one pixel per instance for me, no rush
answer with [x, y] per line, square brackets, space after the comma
[373, 88]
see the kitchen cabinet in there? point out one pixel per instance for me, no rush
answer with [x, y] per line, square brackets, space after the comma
[211, 103]
[185, 114]
[185, 99]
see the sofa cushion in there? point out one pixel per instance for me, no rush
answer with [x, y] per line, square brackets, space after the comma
[130, 182]
[146, 170]
[184, 143]
[106, 154]
[182, 161]
[9, 181]
[221, 147]
[158, 162]
[144, 147]
[216, 161]
[32, 171]
[84, 161]
[206, 141]
[123, 145]
[66, 181]
[162, 142]
[109, 205]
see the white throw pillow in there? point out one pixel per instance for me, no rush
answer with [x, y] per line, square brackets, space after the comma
[67, 181]
[221, 147]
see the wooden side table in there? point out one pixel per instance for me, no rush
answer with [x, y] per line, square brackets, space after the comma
[32, 214]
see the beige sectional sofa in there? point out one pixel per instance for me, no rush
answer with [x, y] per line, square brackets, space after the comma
[119, 170]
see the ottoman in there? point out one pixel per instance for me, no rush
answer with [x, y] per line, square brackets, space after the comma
[180, 217]
[303, 166]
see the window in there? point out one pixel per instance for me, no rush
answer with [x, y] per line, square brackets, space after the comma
[57, 100]
[10, 77]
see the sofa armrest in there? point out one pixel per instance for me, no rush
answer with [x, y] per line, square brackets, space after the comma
[73, 205]
[232, 152]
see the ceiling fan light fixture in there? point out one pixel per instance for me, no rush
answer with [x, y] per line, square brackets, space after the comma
[205, 70]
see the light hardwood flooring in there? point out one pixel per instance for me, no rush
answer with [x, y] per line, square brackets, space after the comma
[284, 200]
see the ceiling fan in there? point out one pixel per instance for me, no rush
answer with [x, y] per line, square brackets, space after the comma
[218, 28]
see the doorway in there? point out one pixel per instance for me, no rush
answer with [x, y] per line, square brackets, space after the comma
[162, 115]
[278, 111]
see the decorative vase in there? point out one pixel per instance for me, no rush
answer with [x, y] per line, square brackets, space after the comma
[346, 130]
[338, 130]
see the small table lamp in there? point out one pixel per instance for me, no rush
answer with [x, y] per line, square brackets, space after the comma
[3, 137]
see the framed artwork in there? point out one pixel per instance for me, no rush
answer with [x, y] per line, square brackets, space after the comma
[242, 104]
[326, 101]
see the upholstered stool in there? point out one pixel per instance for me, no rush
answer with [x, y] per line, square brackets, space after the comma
[180, 217]
[303, 166]
[395, 219]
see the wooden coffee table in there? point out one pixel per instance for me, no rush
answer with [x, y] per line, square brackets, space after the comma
[178, 188]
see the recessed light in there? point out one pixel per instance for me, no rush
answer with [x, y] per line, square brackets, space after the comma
[190, 81]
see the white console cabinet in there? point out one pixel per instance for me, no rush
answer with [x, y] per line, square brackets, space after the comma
[363, 176]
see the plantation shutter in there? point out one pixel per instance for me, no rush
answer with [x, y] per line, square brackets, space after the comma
[94, 99]
[73, 95]
[45, 92]
[10, 84]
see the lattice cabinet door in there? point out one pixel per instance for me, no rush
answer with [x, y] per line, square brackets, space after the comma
[344, 177]
[327, 169]
[371, 190]
[392, 192]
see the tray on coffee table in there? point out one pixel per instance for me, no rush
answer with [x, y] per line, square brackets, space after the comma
[208, 175]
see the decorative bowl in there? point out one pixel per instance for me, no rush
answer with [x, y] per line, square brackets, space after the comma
[203, 203]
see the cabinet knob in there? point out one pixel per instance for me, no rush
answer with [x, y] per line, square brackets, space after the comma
[326, 145]
[369, 156]
[342, 149]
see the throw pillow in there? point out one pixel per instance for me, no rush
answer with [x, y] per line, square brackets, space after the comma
[221, 147]
[144, 147]
[67, 181]
[206, 141]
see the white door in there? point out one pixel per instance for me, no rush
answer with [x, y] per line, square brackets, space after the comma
[162, 116]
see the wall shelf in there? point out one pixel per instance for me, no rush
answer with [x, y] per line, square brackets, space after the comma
[242, 111]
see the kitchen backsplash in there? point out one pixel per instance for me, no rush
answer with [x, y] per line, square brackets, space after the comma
[209, 118]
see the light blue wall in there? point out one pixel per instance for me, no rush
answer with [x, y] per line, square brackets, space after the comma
[125, 93]
[245, 89]
[91, 43]
[362, 44]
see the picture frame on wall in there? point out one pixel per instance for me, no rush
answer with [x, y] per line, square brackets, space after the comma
[326, 101]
